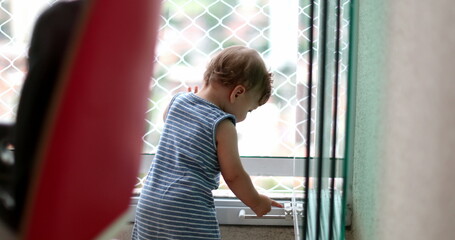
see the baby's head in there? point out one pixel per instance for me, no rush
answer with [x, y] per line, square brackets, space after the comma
[238, 65]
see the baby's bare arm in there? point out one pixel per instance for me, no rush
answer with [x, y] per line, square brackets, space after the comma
[233, 172]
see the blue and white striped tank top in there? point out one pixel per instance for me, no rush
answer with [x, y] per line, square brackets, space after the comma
[176, 201]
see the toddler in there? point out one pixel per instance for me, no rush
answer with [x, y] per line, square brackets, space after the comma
[199, 141]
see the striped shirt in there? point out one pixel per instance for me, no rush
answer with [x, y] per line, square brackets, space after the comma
[176, 201]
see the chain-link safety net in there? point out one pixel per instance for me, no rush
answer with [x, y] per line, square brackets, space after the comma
[191, 32]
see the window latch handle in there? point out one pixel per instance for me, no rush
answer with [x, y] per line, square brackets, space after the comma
[287, 214]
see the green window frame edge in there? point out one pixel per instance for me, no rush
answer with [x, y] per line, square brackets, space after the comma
[350, 118]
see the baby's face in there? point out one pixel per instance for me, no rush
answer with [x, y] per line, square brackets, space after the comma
[246, 103]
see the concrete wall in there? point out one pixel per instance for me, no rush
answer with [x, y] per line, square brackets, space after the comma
[404, 165]
[419, 162]
[368, 119]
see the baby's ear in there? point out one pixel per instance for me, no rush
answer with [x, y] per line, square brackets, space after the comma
[236, 92]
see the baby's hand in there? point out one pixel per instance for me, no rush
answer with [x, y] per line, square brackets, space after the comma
[265, 205]
[196, 89]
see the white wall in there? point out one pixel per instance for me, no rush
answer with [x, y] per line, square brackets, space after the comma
[418, 179]
[404, 157]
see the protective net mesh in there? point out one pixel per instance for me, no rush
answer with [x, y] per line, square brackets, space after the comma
[190, 33]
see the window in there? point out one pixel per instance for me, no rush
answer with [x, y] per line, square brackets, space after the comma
[294, 145]
[191, 32]
[291, 127]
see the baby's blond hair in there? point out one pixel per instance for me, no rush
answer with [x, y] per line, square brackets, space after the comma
[238, 65]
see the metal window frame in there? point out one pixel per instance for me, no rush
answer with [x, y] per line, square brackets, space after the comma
[228, 209]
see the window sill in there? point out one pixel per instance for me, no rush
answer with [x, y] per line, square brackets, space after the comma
[227, 211]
